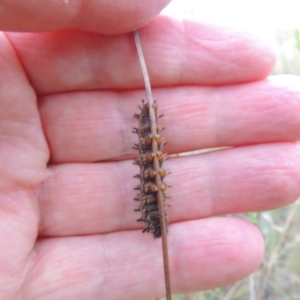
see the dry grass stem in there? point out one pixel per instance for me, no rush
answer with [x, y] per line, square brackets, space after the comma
[156, 166]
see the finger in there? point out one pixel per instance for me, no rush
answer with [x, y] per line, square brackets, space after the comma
[23, 158]
[95, 16]
[176, 52]
[194, 118]
[98, 198]
[203, 255]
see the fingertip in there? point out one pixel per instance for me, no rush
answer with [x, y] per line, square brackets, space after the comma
[239, 50]
[119, 17]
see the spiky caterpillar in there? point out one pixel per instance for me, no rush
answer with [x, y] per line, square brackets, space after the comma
[148, 197]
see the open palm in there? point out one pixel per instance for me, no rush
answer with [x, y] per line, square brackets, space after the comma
[67, 99]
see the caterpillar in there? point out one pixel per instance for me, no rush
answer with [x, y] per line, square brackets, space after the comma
[148, 190]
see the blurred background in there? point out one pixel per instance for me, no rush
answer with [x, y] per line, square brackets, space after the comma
[277, 21]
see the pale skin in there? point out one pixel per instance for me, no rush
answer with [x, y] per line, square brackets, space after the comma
[67, 98]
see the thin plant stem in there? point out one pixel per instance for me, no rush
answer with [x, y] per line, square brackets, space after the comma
[251, 281]
[158, 180]
[276, 251]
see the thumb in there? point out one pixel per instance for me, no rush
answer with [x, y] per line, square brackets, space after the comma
[99, 16]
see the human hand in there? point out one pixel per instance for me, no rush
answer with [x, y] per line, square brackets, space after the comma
[68, 228]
